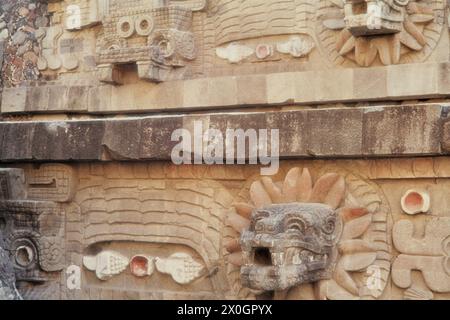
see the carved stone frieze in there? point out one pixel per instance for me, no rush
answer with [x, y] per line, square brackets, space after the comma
[33, 225]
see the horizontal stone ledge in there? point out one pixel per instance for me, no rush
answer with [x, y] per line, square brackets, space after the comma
[389, 131]
[385, 83]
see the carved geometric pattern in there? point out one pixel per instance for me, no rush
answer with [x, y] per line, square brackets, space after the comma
[429, 254]
[51, 182]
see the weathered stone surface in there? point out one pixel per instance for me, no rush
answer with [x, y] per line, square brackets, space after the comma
[92, 207]
[49, 98]
[2, 52]
[446, 136]
[321, 133]
[17, 30]
[12, 182]
[405, 130]
[336, 132]
[8, 289]
[155, 143]
[122, 139]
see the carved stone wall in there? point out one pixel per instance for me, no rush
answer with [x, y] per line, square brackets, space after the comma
[91, 206]
[159, 231]
[268, 52]
[19, 21]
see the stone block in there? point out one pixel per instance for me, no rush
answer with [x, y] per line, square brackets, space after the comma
[252, 90]
[38, 98]
[280, 88]
[319, 133]
[14, 100]
[77, 98]
[306, 87]
[413, 80]
[156, 136]
[293, 130]
[210, 92]
[334, 132]
[333, 85]
[122, 139]
[402, 130]
[370, 83]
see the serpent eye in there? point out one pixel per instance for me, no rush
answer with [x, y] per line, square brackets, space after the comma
[329, 225]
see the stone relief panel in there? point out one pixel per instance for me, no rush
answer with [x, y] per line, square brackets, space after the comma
[156, 36]
[19, 21]
[33, 232]
[68, 44]
[160, 236]
[170, 40]
[51, 182]
[143, 270]
[258, 34]
[429, 254]
[154, 230]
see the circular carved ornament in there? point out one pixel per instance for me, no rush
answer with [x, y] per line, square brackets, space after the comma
[125, 27]
[390, 32]
[144, 25]
[23, 248]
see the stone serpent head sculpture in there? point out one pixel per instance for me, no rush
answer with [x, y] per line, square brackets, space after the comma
[298, 233]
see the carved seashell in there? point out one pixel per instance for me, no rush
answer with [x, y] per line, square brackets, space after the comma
[296, 46]
[234, 52]
[181, 266]
[142, 265]
[416, 293]
[415, 202]
[70, 62]
[42, 63]
[106, 264]
[53, 62]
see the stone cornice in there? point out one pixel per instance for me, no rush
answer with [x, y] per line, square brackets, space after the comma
[387, 83]
[390, 131]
